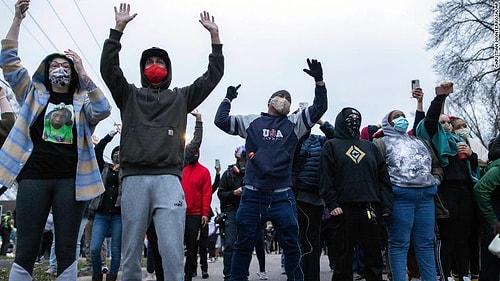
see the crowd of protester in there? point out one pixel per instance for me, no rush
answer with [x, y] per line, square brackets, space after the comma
[420, 203]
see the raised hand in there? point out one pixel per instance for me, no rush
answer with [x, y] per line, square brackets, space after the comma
[123, 16]
[314, 70]
[77, 61]
[418, 94]
[196, 114]
[232, 92]
[208, 22]
[22, 7]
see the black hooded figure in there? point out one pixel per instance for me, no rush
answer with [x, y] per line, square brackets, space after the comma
[355, 185]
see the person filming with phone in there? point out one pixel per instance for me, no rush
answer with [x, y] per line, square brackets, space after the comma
[461, 171]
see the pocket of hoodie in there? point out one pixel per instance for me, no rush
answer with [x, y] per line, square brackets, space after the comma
[159, 146]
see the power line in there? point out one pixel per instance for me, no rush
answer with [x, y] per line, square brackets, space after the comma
[29, 32]
[87, 24]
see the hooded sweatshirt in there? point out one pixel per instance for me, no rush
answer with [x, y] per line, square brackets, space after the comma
[409, 162]
[33, 96]
[197, 186]
[271, 140]
[352, 170]
[154, 117]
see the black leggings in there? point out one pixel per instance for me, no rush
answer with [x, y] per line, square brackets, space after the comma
[455, 231]
[34, 200]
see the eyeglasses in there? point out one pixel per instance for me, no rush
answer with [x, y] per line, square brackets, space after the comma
[56, 64]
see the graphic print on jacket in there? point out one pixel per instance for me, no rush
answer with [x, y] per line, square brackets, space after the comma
[267, 145]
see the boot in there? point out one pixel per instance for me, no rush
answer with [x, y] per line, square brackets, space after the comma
[111, 277]
[97, 277]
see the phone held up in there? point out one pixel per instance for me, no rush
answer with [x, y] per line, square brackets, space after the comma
[415, 84]
[217, 163]
[303, 105]
[444, 89]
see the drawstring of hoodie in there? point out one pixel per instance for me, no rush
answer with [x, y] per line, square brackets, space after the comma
[157, 93]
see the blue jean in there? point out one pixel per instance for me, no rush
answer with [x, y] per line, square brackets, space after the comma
[103, 223]
[255, 208]
[230, 233]
[412, 219]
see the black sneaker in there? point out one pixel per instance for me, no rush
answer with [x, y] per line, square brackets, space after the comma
[204, 275]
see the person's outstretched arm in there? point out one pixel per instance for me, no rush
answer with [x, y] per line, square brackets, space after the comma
[21, 8]
[418, 94]
[198, 131]
[14, 73]
[111, 72]
[101, 145]
[203, 86]
[311, 115]
[232, 124]
[97, 107]
[209, 23]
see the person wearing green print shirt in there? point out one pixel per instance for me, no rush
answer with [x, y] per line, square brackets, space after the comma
[49, 175]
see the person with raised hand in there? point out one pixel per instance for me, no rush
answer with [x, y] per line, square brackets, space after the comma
[152, 143]
[50, 174]
[461, 171]
[270, 142]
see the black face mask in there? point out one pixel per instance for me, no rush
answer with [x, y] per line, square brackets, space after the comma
[353, 125]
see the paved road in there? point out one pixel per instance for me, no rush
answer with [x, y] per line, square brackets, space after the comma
[273, 268]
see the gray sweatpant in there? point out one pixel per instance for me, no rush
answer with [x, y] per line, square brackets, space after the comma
[159, 198]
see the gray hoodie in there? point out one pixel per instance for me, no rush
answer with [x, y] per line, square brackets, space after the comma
[408, 159]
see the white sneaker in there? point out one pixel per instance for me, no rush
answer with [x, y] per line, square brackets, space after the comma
[262, 275]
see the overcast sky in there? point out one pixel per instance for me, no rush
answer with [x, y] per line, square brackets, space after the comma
[369, 50]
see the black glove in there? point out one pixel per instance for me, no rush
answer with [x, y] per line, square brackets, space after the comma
[314, 70]
[232, 92]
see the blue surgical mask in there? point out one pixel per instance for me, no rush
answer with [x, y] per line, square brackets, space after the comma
[400, 124]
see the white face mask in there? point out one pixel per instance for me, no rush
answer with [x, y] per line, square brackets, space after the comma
[281, 105]
[59, 77]
[463, 132]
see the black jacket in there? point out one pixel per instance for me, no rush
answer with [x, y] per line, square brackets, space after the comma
[229, 181]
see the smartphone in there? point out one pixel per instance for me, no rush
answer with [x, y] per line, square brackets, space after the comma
[440, 90]
[217, 163]
[415, 84]
[303, 105]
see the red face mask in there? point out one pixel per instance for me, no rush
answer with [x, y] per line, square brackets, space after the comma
[155, 74]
